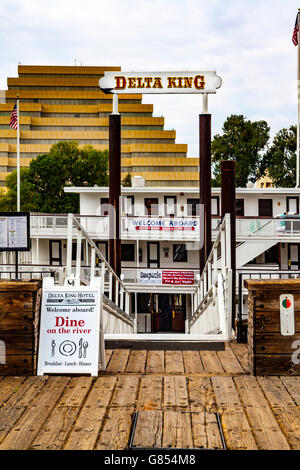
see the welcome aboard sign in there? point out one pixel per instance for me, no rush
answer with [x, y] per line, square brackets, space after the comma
[160, 82]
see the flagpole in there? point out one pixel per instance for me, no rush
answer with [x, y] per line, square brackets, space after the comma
[18, 155]
[298, 123]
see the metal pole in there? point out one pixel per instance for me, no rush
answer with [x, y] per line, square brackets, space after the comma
[228, 207]
[114, 188]
[18, 155]
[298, 120]
[17, 264]
[205, 180]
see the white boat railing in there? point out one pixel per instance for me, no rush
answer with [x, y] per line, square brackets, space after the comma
[212, 300]
[118, 297]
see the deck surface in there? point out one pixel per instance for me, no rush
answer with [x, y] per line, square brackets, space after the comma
[176, 395]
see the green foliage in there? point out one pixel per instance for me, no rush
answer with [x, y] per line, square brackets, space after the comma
[126, 182]
[42, 184]
[280, 160]
[243, 141]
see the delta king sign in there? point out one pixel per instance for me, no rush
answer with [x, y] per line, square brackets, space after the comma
[160, 82]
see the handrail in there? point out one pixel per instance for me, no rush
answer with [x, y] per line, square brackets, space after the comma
[98, 252]
[210, 271]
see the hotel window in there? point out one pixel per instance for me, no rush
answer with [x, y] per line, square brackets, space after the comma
[128, 205]
[193, 207]
[127, 252]
[239, 207]
[170, 206]
[179, 253]
[292, 204]
[151, 206]
[215, 205]
[104, 205]
[265, 208]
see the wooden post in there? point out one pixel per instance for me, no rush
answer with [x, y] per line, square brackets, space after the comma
[205, 184]
[114, 192]
[228, 207]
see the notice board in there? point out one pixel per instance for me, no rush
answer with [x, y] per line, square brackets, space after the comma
[14, 231]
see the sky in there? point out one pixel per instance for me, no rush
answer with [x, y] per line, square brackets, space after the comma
[248, 43]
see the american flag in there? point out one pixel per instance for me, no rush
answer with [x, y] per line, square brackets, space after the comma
[295, 32]
[13, 123]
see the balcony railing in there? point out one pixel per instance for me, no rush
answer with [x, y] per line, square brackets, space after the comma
[165, 228]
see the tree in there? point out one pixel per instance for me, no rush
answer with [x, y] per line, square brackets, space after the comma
[42, 184]
[126, 181]
[280, 158]
[243, 141]
[8, 201]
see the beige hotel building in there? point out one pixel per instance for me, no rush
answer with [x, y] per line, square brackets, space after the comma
[65, 103]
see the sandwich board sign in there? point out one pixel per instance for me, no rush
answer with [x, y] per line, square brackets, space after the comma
[69, 328]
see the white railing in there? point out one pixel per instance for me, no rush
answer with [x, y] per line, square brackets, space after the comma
[164, 228]
[118, 298]
[212, 300]
[267, 228]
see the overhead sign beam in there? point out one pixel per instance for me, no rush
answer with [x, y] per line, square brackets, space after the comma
[160, 82]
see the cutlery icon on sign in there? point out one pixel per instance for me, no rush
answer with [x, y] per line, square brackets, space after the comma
[53, 344]
[80, 348]
[85, 346]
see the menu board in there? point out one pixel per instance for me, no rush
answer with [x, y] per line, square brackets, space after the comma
[69, 329]
[14, 231]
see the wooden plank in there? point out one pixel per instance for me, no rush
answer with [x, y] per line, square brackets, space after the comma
[269, 321]
[174, 362]
[275, 364]
[150, 393]
[137, 361]
[21, 364]
[275, 391]
[177, 430]
[18, 402]
[155, 362]
[292, 385]
[192, 362]
[240, 351]
[118, 360]
[205, 429]
[116, 431]
[9, 386]
[264, 426]
[201, 395]
[148, 431]
[16, 306]
[108, 354]
[22, 435]
[211, 362]
[175, 393]
[275, 343]
[88, 424]
[229, 362]
[284, 408]
[58, 425]
[125, 392]
[6, 285]
[236, 428]
[226, 395]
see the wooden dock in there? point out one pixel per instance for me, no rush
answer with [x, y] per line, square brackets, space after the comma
[175, 396]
